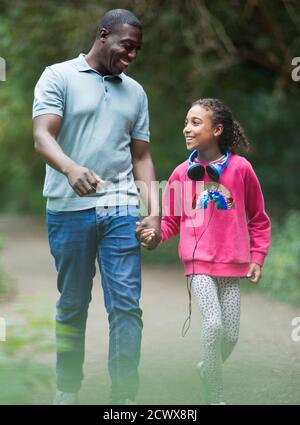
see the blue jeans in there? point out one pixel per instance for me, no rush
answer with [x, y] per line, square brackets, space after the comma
[76, 239]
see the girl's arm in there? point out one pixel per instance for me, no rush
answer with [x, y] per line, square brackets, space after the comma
[169, 227]
[170, 222]
[259, 225]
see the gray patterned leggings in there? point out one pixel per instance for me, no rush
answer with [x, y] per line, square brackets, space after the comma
[219, 302]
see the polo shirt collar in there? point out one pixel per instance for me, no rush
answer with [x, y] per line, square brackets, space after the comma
[82, 66]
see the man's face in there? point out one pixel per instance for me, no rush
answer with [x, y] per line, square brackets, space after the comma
[119, 48]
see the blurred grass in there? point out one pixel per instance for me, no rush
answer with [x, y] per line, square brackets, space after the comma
[164, 255]
[7, 286]
[22, 373]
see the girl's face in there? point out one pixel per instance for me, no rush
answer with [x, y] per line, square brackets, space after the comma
[199, 131]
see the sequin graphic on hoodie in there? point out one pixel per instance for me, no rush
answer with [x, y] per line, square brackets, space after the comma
[217, 193]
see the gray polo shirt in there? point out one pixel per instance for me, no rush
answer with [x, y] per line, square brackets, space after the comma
[100, 117]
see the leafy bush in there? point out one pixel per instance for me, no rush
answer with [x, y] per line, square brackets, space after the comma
[163, 255]
[7, 288]
[207, 49]
[281, 273]
[22, 372]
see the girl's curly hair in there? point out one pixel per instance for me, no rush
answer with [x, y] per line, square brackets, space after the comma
[233, 136]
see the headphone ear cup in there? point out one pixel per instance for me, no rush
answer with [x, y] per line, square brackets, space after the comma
[196, 172]
[213, 172]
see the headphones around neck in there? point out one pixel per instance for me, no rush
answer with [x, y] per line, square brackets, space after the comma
[196, 170]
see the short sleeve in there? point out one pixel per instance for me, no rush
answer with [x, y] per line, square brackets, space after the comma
[49, 94]
[140, 130]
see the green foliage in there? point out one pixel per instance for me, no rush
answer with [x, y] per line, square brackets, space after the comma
[281, 273]
[240, 53]
[164, 255]
[22, 373]
[7, 287]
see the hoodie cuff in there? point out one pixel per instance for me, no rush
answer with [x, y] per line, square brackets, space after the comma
[258, 258]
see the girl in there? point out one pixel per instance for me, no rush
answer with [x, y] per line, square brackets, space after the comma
[215, 202]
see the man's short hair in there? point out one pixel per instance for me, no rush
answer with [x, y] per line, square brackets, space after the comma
[116, 17]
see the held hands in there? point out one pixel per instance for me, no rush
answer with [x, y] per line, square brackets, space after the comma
[254, 273]
[83, 181]
[148, 232]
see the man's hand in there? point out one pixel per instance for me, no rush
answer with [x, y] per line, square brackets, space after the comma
[148, 232]
[254, 273]
[82, 180]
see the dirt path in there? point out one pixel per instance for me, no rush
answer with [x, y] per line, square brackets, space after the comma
[264, 368]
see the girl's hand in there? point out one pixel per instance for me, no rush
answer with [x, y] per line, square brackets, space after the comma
[148, 237]
[254, 272]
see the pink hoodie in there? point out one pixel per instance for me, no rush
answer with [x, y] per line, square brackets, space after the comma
[229, 227]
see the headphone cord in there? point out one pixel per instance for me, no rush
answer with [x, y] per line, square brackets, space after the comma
[187, 322]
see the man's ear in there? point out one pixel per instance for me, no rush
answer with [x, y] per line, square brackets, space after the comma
[103, 33]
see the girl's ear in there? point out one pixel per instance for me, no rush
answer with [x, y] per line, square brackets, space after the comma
[218, 130]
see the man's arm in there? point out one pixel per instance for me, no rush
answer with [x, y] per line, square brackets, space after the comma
[45, 130]
[143, 171]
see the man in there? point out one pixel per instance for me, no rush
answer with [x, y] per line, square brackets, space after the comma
[91, 128]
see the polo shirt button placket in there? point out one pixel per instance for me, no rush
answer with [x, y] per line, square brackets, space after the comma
[105, 87]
